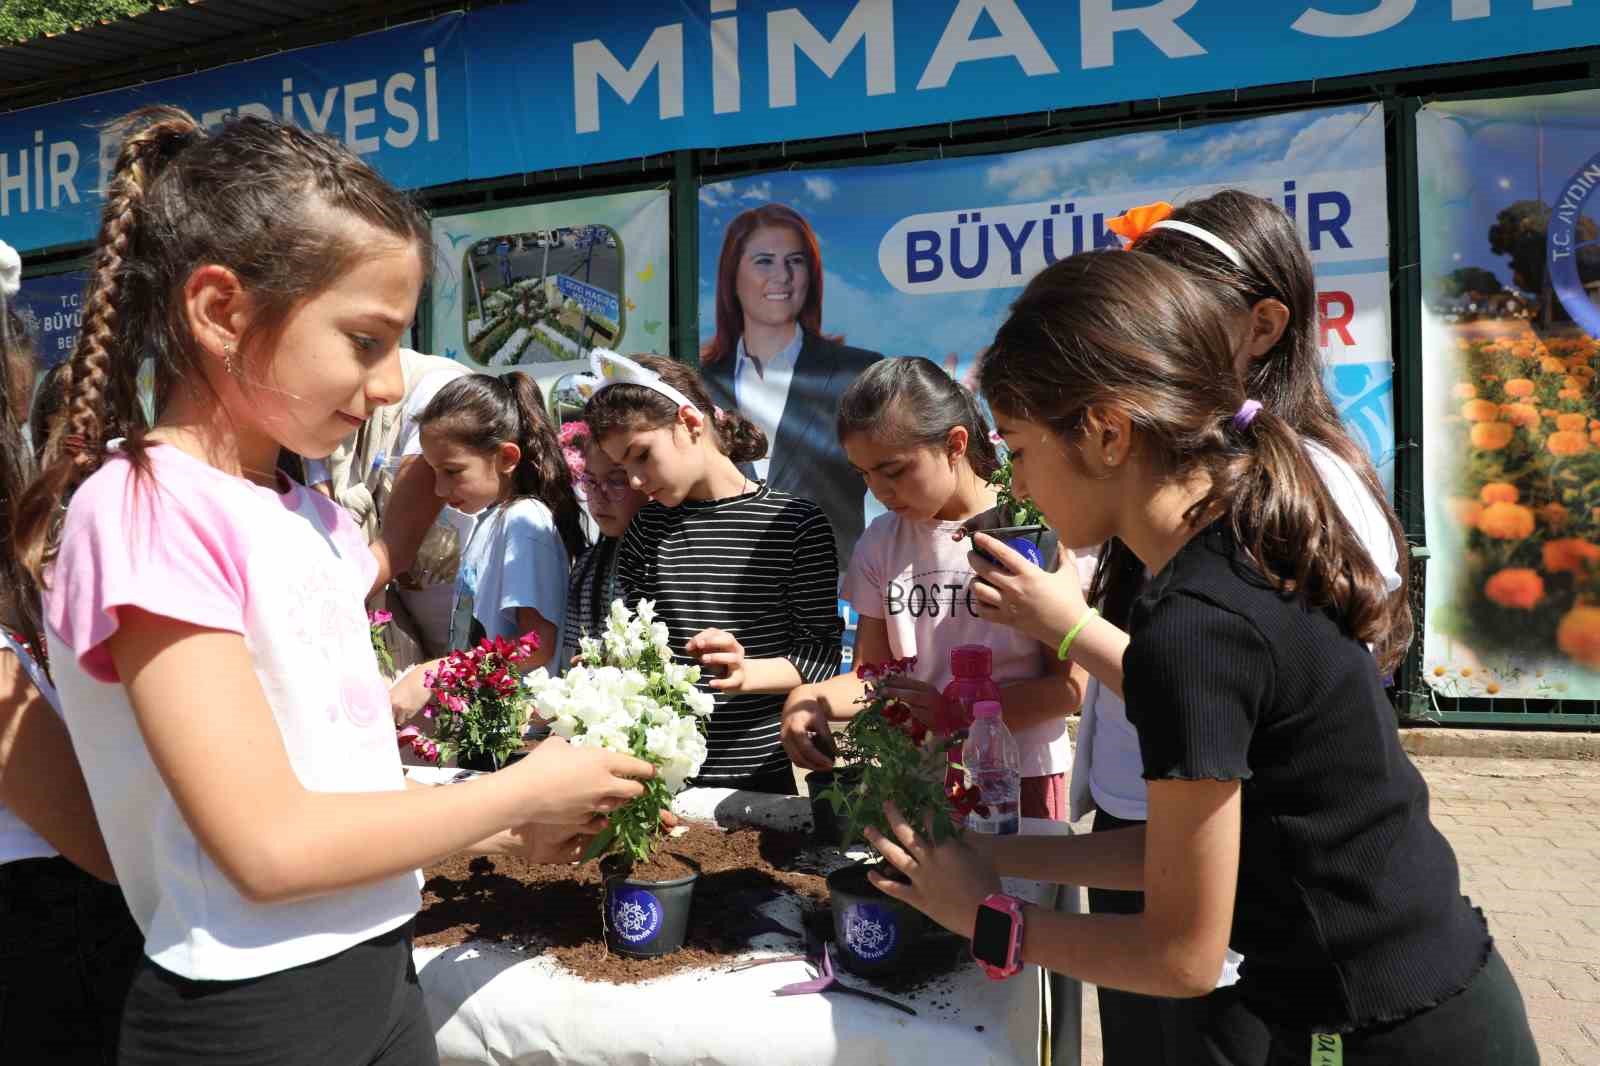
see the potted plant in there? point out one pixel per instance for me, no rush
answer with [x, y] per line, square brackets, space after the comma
[480, 707]
[1016, 523]
[627, 694]
[903, 761]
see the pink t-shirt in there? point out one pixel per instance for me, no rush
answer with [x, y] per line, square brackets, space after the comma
[915, 578]
[287, 571]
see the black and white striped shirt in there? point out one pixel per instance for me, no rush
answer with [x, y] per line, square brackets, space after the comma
[761, 566]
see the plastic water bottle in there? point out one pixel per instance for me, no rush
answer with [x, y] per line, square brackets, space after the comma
[994, 768]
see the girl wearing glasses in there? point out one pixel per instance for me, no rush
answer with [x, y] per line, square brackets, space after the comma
[613, 502]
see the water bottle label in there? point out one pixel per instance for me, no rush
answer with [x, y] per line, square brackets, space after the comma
[998, 823]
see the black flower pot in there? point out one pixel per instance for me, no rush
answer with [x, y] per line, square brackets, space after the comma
[874, 932]
[488, 762]
[1034, 543]
[644, 919]
[827, 827]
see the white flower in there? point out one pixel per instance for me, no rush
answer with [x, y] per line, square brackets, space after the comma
[701, 703]
[10, 271]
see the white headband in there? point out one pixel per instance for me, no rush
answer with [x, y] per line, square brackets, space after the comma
[613, 369]
[1204, 235]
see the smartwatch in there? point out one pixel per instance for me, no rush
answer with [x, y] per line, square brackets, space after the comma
[997, 936]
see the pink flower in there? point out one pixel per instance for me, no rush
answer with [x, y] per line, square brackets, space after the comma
[379, 618]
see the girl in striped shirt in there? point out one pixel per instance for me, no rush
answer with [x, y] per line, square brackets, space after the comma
[744, 576]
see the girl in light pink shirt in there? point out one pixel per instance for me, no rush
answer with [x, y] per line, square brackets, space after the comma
[923, 447]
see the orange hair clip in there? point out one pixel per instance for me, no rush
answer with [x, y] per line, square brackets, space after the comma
[1136, 222]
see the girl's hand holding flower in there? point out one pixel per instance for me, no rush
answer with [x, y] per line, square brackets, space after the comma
[948, 881]
[721, 656]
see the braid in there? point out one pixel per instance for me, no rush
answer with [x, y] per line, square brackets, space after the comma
[100, 385]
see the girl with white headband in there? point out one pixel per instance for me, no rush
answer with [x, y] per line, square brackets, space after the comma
[743, 575]
[1284, 818]
[1247, 255]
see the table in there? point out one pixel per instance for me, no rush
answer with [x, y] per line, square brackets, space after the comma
[493, 1004]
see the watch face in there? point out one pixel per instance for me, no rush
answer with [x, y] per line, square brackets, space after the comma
[991, 937]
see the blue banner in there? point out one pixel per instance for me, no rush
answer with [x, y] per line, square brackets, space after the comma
[558, 85]
[51, 310]
[397, 97]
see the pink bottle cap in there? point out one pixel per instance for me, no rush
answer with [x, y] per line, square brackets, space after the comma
[971, 661]
[986, 709]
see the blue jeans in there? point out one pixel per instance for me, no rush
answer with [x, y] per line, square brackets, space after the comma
[68, 950]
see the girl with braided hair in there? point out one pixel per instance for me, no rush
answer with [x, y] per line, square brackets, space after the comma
[204, 613]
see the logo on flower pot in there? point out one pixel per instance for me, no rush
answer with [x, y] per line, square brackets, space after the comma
[1027, 549]
[635, 914]
[870, 931]
[1565, 244]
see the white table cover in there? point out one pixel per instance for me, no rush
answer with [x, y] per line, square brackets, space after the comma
[495, 1005]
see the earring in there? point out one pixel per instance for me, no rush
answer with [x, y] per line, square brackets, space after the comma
[227, 359]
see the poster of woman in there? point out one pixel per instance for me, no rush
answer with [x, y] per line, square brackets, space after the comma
[771, 360]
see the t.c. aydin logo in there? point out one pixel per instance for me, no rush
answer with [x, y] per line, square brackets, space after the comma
[1564, 243]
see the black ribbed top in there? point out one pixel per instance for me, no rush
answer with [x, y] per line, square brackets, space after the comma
[761, 566]
[1349, 909]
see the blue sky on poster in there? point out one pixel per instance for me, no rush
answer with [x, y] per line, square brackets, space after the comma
[1484, 155]
[1170, 164]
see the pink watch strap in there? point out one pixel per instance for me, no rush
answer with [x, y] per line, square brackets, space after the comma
[1013, 906]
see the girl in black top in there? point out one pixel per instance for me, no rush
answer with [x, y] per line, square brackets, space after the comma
[1284, 818]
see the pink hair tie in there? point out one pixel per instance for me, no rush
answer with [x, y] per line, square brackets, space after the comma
[1246, 414]
[717, 413]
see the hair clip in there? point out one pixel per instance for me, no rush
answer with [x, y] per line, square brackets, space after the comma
[614, 369]
[1246, 414]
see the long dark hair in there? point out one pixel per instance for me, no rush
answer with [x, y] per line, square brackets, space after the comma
[1125, 330]
[910, 402]
[1287, 380]
[269, 201]
[19, 596]
[625, 407]
[730, 316]
[482, 412]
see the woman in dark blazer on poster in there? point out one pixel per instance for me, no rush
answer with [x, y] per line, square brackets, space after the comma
[770, 361]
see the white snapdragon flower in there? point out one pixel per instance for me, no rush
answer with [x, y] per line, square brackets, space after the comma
[701, 703]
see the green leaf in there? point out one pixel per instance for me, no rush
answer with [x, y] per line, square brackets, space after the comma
[597, 847]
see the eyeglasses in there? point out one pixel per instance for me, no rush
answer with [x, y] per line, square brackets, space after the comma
[614, 487]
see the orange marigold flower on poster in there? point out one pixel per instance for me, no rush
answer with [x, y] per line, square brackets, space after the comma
[1490, 379]
[1520, 414]
[1570, 382]
[1553, 515]
[1570, 394]
[1572, 421]
[1506, 521]
[1480, 411]
[1491, 436]
[1566, 442]
[1519, 387]
[1515, 587]
[1466, 511]
[1578, 635]
[1552, 365]
[1463, 391]
[1594, 436]
[1569, 555]
[1499, 492]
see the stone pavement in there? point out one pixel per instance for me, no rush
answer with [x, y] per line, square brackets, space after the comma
[1527, 833]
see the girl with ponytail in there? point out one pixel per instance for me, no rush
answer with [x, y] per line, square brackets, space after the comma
[743, 575]
[495, 455]
[1284, 818]
[204, 613]
[918, 440]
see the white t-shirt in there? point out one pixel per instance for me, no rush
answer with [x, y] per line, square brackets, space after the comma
[915, 578]
[289, 572]
[17, 840]
[515, 558]
[1109, 771]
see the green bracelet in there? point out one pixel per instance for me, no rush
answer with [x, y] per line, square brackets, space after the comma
[1072, 634]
